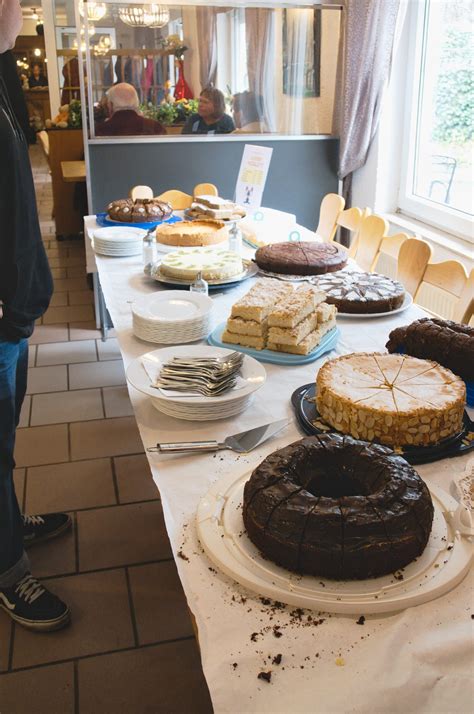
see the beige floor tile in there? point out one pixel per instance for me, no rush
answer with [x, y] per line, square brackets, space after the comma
[106, 437]
[82, 297]
[99, 374]
[47, 379]
[5, 630]
[159, 582]
[117, 402]
[77, 271]
[104, 535]
[74, 259]
[58, 300]
[49, 333]
[31, 355]
[70, 284]
[60, 407]
[166, 679]
[73, 313]
[66, 353]
[71, 486]
[37, 691]
[134, 479]
[41, 445]
[100, 621]
[55, 557]
[109, 349]
[83, 331]
[25, 412]
[19, 481]
[59, 273]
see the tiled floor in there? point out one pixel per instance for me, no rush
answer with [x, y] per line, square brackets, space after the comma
[130, 647]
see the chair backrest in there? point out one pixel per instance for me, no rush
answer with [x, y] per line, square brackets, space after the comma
[413, 257]
[331, 206]
[371, 232]
[205, 189]
[140, 192]
[464, 311]
[386, 260]
[178, 199]
[441, 288]
[43, 139]
[351, 219]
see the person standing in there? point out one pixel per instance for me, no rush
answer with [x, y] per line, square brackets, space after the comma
[26, 287]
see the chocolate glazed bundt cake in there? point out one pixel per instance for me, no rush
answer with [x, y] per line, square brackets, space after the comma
[332, 506]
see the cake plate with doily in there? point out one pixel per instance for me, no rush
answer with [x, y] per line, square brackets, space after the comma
[250, 270]
[327, 343]
[104, 221]
[309, 419]
[443, 564]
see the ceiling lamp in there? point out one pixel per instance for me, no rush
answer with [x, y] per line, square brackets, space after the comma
[95, 10]
[34, 15]
[148, 16]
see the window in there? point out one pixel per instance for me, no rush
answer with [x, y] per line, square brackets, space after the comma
[437, 184]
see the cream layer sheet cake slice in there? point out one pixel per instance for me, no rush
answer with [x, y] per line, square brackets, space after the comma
[254, 341]
[247, 327]
[295, 307]
[261, 298]
[308, 344]
[294, 335]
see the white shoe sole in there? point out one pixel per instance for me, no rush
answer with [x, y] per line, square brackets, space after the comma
[40, 625]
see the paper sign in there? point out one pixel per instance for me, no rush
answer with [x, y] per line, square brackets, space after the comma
[252, 175]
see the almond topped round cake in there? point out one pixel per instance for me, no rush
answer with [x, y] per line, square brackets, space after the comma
[394, 399]
[192, 233]
[214, 264]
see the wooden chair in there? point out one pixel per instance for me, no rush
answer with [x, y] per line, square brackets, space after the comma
[140, 192]
[413, 257]
[351, 219]
[464, 311]
[386, 260]
[331, 206]
[43, 139]
[178, 199]
[441, 288]
[205, 189]
[371, 232]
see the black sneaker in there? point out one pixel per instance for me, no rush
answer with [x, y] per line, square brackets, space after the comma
[37, 529]
[31, 605]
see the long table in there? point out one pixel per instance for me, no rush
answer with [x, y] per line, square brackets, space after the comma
[418, 660]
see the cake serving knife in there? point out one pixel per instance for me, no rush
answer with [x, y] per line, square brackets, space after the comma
[240, 443]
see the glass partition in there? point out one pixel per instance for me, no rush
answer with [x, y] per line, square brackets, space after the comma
[187, 69]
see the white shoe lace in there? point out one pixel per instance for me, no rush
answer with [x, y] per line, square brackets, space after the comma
[29, 589]
[32, 520]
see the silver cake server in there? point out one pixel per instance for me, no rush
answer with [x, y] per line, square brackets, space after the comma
[241, 443]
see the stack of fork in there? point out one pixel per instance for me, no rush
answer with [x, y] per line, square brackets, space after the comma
[209, 376]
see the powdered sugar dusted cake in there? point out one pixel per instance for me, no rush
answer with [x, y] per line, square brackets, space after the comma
[355, 292]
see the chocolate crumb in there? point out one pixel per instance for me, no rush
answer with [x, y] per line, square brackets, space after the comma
[277, 659]
[276, 631]
[235, 665]
[265, 675]
[213, 570]
[450, 547]
[361, 620]
[253, 636]
[398, 576]
[182, 556]
[265, 601]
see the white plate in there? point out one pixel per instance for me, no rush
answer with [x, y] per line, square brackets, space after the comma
[408, 301]
[177, 306]
[119, 234]
[231, 410]
[252, 372]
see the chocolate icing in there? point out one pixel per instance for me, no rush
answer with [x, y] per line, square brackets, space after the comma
[448, 343]
[302, 258]
[140, 210]
[361, 292]
[332, 506]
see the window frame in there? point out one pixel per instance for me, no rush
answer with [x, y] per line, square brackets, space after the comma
[439, 216]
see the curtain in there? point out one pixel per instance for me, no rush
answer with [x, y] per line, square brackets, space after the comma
[260, 36]
[207, 33]
[369, 37]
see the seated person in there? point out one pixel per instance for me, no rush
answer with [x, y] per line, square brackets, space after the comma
[210, 117]
[125, 118]
[247, 116]
[37, 78]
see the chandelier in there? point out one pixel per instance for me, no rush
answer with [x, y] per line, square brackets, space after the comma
[95, 10]
[144, 16]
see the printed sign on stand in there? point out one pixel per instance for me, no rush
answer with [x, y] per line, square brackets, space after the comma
[252, 175]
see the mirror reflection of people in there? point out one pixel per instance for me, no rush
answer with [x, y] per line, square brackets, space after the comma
[37, 78]
[210, 117]
[247, 117]
[125, 118]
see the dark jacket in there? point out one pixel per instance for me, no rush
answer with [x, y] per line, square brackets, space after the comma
[126, 122]
[8, 70]
[26, 284]
[195, 124]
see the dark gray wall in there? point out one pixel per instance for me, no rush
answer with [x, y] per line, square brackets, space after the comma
[301, 172]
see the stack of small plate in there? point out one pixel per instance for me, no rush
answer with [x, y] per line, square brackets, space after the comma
[172, 317]
[196, 407]
[118, 242]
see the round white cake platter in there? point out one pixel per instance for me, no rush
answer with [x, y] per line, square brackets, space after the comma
[443, 564]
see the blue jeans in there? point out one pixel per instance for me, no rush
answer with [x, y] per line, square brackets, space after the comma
[13, 374]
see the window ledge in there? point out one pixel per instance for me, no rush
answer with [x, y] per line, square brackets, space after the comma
[459, 246]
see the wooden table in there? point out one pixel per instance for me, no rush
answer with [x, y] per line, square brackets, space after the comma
[73, 171]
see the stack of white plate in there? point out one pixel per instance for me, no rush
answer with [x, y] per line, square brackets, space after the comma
[172, 317]
[118, 242]
[197, 408]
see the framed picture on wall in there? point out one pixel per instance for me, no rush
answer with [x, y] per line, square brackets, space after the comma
[302, 59]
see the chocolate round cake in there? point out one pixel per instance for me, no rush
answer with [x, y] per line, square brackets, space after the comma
[303, 258]
[140, 210]
[354, 292]
[339, 508]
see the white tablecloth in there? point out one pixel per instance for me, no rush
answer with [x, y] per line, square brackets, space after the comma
[419, 660]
